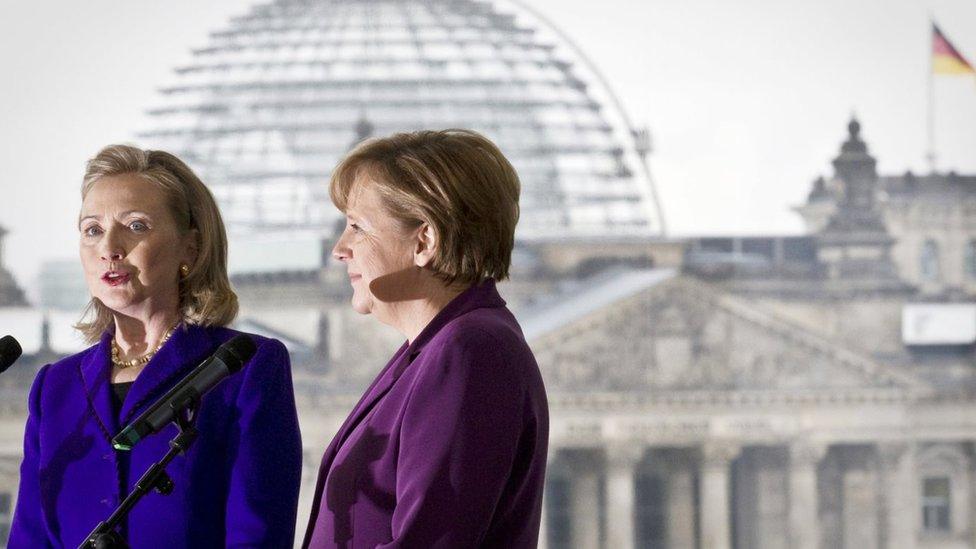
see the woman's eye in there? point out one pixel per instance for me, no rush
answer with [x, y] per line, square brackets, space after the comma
[93, 230]
[138, 226]
[356, 227]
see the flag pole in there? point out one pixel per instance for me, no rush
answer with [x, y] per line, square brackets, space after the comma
[930, 108]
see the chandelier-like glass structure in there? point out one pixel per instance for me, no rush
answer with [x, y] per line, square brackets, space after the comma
[276, 98]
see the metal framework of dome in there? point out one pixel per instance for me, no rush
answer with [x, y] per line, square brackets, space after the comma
[272, 103]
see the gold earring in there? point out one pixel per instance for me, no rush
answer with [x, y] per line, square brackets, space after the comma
[184, 270]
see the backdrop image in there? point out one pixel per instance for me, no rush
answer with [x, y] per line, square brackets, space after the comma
[745, 259]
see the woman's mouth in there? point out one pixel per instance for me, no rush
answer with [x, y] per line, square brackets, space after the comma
[115, 278]
[354, 277]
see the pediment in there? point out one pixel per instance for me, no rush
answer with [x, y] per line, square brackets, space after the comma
[679, 334]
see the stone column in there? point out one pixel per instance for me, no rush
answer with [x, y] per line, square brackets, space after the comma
[585, 506]
[804, 500]
[972, 492]
[622, 462]
[716, 531]
[681, 508]
[899, 496]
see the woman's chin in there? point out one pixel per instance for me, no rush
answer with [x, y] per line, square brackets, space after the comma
[362, 306]
[116, 303]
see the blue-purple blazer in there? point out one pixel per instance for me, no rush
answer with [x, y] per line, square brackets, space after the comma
[447, 448]
[237, 487]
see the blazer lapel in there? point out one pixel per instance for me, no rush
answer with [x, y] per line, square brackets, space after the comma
[95, 370]
[381, 384]
[376, 390]
[187, 347]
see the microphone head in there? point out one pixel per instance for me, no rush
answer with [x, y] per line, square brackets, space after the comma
[10, 351]
[235, 352]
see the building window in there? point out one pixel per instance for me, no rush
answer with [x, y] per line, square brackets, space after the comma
[5, 512]
[929, 261]
[558, 513]
[935, 504]
[651, 515]
[971, 260]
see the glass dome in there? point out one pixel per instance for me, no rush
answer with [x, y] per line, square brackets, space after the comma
[276, 98]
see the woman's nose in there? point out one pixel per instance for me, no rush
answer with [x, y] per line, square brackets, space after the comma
[113, 254]
[341, 251]
[112, 249]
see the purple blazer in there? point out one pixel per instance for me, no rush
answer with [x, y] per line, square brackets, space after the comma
[447, 448]
[236, 487]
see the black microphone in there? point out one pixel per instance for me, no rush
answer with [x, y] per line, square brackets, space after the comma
[9, 352]
[228, 359]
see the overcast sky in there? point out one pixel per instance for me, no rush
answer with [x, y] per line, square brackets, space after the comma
[747, 100]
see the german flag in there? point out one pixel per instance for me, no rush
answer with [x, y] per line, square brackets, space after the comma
[946, 59]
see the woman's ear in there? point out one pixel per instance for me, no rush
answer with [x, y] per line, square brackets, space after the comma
[426, 245]
[190, 246]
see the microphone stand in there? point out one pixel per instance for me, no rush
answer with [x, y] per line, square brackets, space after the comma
[105, 536]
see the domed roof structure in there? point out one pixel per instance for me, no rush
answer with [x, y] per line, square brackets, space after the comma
[274, 101]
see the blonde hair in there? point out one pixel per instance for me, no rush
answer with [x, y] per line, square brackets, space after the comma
[206, 297]
[457, 181]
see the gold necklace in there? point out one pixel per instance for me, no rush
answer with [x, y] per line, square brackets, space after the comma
[144, 359]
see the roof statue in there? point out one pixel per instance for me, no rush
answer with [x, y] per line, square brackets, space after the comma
[11, 295]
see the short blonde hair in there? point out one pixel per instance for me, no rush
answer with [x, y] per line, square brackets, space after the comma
[206, 296]
[457, 181]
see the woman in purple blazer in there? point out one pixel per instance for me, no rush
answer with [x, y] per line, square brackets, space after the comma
[154, 252]
[447, 448]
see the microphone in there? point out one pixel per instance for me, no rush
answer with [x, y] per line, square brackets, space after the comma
[9, 352]
[226, 360]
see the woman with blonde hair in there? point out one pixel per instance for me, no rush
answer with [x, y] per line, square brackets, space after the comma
[154, 252]
[447, 448]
